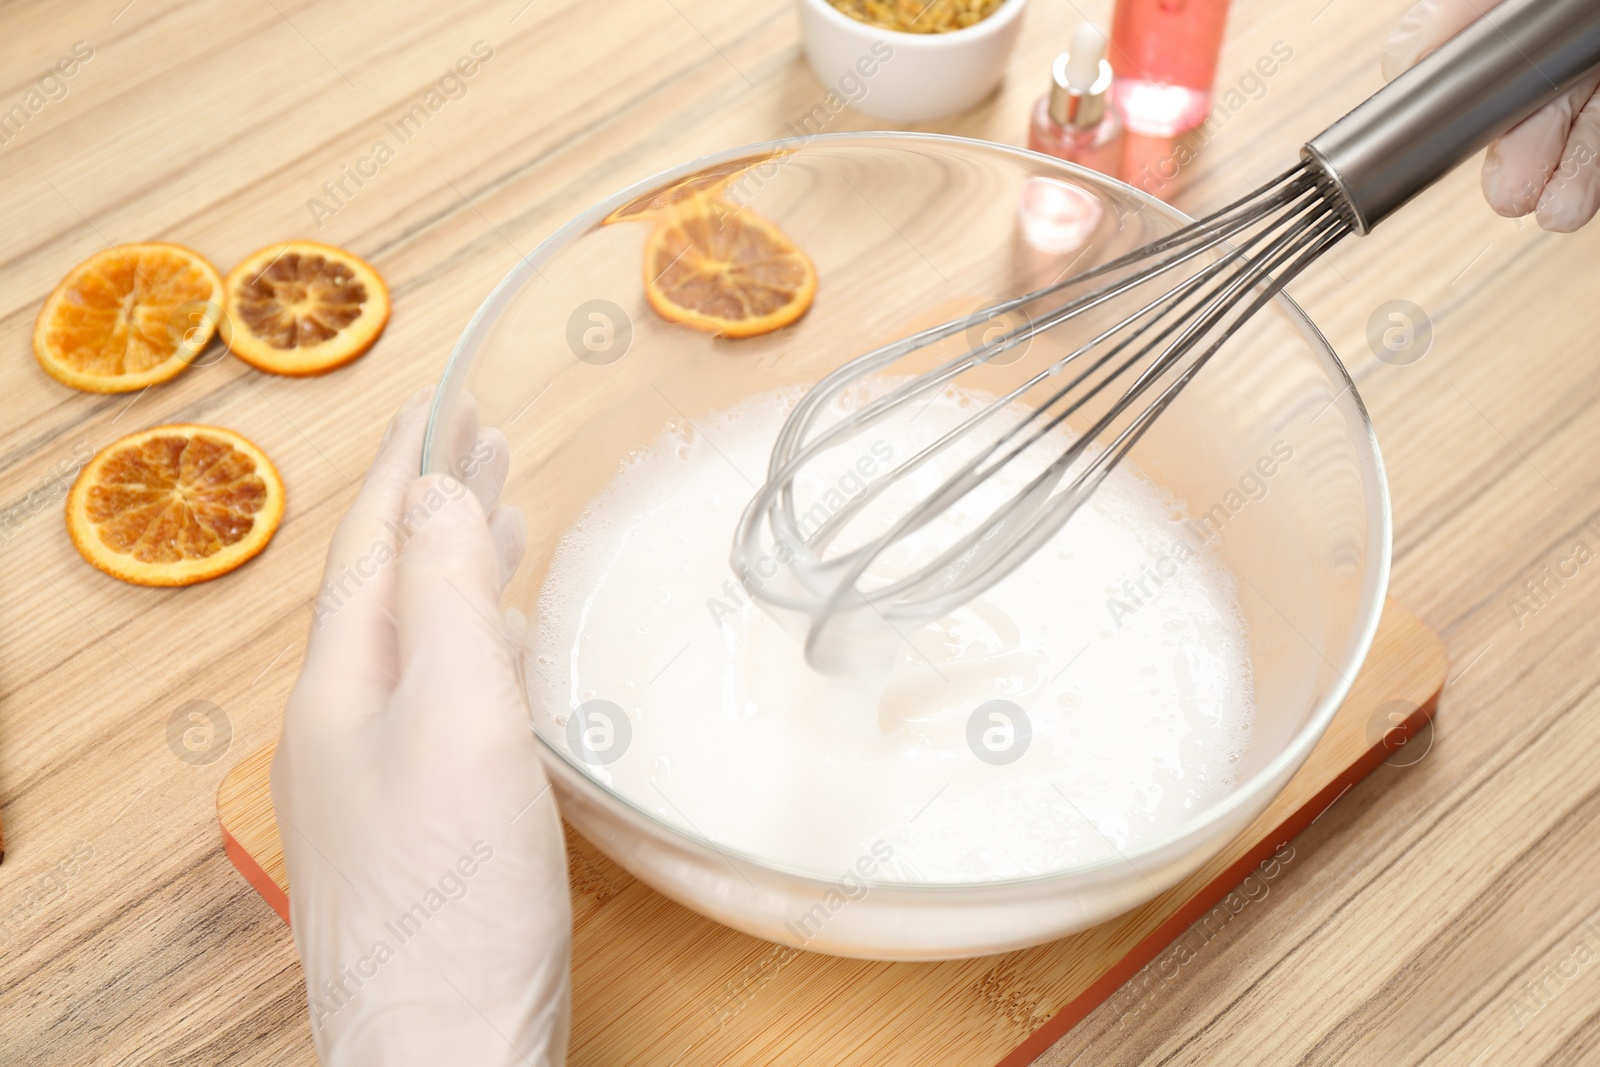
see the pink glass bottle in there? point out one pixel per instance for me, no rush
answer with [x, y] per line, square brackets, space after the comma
[1164, 53]
[1074, 120]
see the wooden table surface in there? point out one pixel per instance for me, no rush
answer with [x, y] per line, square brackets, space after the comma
[1444, 912]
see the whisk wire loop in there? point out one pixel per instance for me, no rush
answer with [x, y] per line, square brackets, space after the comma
[983, 557]
[1191, 291]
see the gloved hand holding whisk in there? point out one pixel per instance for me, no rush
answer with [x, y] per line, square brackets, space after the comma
[1549, 164]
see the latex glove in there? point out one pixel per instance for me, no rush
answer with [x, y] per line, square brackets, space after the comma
[427, 873]
[1549, 163]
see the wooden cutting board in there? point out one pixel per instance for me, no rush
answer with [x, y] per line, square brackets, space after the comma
[654, 983]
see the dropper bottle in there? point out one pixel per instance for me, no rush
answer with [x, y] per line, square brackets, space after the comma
[1074, 121]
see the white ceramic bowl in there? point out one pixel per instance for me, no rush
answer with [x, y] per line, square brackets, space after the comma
[908, 77]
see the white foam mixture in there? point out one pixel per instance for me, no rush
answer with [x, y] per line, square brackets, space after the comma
[1138, 718]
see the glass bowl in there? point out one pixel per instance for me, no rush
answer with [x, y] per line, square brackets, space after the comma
[1269, 449]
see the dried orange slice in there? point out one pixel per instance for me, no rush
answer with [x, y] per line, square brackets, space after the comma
[174, 505]
[303, 308]
[724, 270]
[128, 317]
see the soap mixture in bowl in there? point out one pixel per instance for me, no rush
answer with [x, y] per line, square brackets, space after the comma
[1090, 703]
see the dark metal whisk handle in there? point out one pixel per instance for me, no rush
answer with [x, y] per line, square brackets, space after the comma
[1515, 59]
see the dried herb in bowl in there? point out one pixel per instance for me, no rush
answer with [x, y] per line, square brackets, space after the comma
[918, 16]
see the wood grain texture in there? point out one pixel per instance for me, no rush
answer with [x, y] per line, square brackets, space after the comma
[734, 999]
[1434, 913]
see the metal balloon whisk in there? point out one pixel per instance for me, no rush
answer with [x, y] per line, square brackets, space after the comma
[1149, 321]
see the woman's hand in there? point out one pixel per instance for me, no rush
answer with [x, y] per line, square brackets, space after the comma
[1548, 164]
[426, 866]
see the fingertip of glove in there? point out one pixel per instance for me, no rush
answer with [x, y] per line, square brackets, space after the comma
[1399, 52]
[439, 505]
[414, 402]
[1566, 210]
[516, 628]
[418, 398]
[1501, 191]
[509, 532]
[510, 524]
[1404, 44]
